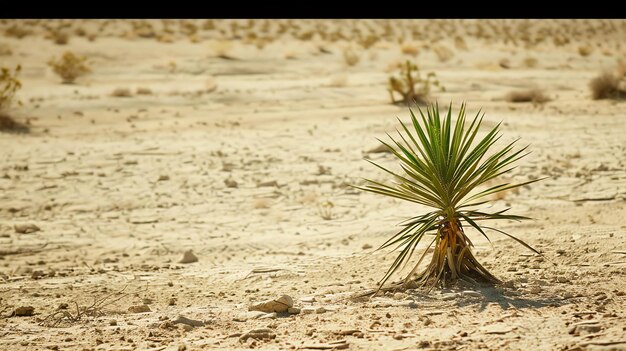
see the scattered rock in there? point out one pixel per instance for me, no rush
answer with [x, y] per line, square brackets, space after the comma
[163, 178]
[112, 322]
[308, 310]
[308, 299]
[505, 63]
[333, 345]
[24, 311]
[535, 290]
[139, 309]
[497, 329]
[471, 293]
[412, 304]
[26, 228]
[366, 246]
[293, 310]
[320, 310]
[378, 149]
[145, 220]
[449, 296]
[167, 325]
[187, 321]
[121, 92]
[272, 315]
[258, 334]
[399, 296]
[230, 183]
[286, 300]
[587, 329]
[280, 305]
[562, 279]
[188, 257]
[249, 315]
[37, 274]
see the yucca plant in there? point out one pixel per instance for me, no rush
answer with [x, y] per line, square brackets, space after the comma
[444, 165]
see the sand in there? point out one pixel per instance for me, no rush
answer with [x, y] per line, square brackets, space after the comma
[238, 160]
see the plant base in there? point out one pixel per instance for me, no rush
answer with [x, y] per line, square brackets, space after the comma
[452, 261]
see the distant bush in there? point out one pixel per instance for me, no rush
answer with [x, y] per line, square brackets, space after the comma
[410, 85]
[9, 86]
[143, 91]
[607, 86]
[443, 53]
[59, 37]
[585, 50]
[350, 57]
[410, 49]
[460, 43]
[16, 31]
[610, 84]
[534, 95]
[69, 67]
[121, 92]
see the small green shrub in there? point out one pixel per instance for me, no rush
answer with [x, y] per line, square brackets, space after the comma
[410, 85]
[446, 168]
[9, 85]
[69, 67]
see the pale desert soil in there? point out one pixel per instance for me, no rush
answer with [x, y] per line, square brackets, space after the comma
[121, 187]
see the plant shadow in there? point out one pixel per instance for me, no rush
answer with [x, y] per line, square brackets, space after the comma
[9, 125]
[493, 295]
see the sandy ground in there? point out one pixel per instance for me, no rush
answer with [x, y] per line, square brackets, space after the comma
[121, 187]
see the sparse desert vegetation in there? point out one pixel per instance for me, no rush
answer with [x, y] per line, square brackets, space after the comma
[222, 49]
[9, 86]
[70, 67]
[443, 52]
[411, 86]
[585, 50]
[610, 84]
[441, 170]
[534, 95]
[199, 189]
[59, 37]
[121, 92]
[9, 124]
[410, 49]
[350, 57]
[143, 91]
